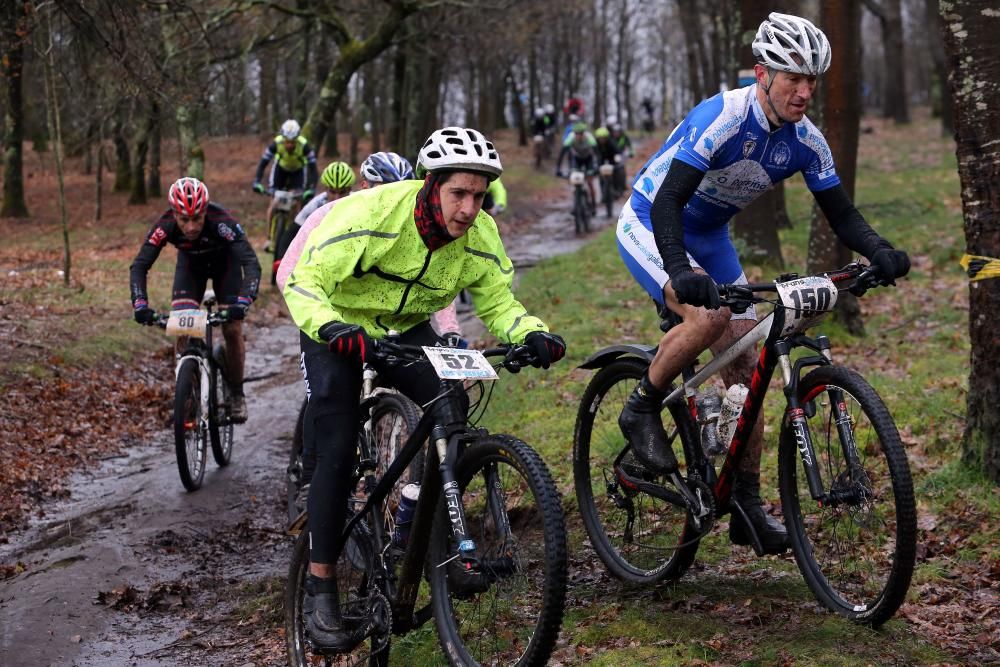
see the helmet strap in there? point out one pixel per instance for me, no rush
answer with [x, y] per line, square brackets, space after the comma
[767, 95]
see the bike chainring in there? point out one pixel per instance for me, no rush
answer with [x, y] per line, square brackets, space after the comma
[703, 492]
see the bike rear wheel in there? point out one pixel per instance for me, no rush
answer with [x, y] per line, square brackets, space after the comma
[856, 549]
[357, 595]
[635, 534]
[511, 611]
[189, 432]
[220, 429]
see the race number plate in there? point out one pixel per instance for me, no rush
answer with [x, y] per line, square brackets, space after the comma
[576, 177]
[806, 300]
[283, 200]
[187, 323]
[606, 169]
[453, 363]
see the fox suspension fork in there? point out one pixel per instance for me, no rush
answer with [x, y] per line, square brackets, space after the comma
[447, 451]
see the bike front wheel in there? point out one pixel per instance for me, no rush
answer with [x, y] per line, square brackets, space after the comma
[189, 431]
[510, 611]
[856, 546]
[635, 534]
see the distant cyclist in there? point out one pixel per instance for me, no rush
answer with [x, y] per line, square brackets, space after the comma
[210, 245]
[609, 153]
[495, 201]
[338, 179]
[581, 146]
[294, 164]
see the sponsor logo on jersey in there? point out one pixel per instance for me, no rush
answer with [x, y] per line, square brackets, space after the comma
[226, 232]
[780, 154]
[749, 145]
[158, 237]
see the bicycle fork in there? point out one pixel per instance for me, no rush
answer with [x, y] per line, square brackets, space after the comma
[447, 451]
[796, 415]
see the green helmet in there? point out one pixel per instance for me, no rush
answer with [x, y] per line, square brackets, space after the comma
[338, 176]
[579, 126]
[601, 133]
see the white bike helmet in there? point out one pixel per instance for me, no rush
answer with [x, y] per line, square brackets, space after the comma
[550, 108]
[290, 129]
[791, 44]
[459, 149]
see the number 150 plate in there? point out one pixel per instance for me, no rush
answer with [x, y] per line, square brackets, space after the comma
[452, 363]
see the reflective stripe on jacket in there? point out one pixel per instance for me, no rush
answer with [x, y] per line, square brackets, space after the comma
[366, 264]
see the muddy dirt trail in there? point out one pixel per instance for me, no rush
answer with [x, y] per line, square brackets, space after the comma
[135, 571]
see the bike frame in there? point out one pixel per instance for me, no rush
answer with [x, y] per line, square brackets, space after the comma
[775, 352]
[443, 423]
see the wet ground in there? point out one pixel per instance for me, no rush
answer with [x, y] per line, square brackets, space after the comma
[133, 570]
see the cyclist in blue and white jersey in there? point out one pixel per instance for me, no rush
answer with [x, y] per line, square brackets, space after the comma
[673, 233]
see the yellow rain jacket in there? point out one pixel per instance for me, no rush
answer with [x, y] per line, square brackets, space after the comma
[366, 264]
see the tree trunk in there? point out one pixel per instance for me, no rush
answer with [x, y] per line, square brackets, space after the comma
[187, 135]
[55, 131]
[757, 224]
[137, 191]
[353, 54]
[99, 182]
[841, 21]
[519, 112]
[970, 36]
[941, 101]
[154, 186]
[12, 66]
[890, 16]
[123, 167]
[266, 118]
[688, 13]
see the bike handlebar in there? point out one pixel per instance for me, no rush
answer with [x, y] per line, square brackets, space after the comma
[861, 278]
[515, 356]
[214, 319]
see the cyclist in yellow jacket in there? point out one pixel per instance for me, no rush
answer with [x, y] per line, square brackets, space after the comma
[385, 259]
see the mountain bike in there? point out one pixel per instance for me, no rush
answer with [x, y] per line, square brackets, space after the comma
[281, 227]
[486, 552]
[608, 194]
[582, 205]
[845, 485]
[201, 393]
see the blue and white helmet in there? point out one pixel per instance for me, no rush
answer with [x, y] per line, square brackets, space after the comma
[290, 129]
[386, 167]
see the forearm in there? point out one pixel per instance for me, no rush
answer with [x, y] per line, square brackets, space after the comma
[847, 222]
[666, 215]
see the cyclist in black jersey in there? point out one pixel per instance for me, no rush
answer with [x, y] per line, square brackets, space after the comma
[210, 244]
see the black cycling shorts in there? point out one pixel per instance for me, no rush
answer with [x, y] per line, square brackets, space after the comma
[193, 272]
[587, 164]
[288, 180]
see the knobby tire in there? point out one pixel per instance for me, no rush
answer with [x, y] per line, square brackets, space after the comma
[856, 554]
[645, 550]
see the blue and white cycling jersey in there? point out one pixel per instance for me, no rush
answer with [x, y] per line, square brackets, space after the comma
[728, 137]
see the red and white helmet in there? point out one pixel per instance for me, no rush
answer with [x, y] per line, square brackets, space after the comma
[188, 196]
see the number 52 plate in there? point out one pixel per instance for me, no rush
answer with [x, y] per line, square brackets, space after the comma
[452, 363]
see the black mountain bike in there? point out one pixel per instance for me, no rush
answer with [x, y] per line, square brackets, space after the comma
[486, 553]
[608, 192]
[281, 228]
[846, 491]
[582, 205]
[201, 392]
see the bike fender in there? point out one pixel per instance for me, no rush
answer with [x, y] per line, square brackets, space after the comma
[603, 357]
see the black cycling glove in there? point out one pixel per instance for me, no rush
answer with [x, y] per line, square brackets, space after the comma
[696, 289]
[547, 348]
[144, 315]
[348, 340]
[890, 263]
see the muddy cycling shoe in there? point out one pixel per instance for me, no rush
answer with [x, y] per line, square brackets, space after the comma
[464, 583]
[642, 426]
[770, 531]
[237, 409]
[326, 628]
